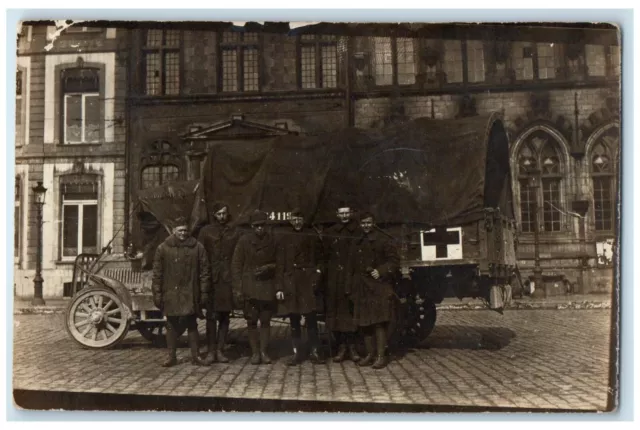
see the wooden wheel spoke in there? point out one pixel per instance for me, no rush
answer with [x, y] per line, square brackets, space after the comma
[112, 311]
[110, 328]
[82, 315]
[100, 302]
[114, 320]
[109, 303]
[95, 334]
[87, 330]
[86, 308]
[82, 323]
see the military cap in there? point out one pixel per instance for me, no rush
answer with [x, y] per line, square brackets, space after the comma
[258, 217]
[365, 215]
[297, 213]
[217, 206]
[180, 221]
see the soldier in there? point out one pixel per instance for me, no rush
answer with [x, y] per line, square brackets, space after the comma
[219, 239]
[373, 266]
[180, 287]
[298, 273]
[253, 273]
[339, 310]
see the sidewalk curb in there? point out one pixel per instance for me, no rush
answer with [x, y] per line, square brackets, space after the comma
[530, 306]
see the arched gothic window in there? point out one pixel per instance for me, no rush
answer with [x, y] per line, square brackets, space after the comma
[540, 155]
[160, 164]
[603, 176]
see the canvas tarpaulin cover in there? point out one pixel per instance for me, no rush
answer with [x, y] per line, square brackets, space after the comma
[424, 171]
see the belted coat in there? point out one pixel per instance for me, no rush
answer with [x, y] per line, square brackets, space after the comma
[337, 241]
[220, 241]
[373, 298]
[299, 271]
[253, 268]
[181, 277]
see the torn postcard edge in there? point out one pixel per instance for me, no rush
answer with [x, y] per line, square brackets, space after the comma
[61, 25]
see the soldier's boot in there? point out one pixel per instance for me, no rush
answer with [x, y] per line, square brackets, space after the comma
[381, 344]
[211, 356]
[223, 330]
[296, 358]
[353, 351]
[314, 342]
[341, 355]
[371, 352]
[254, 342]
[265, 334]
[193, 346]
[172, 345]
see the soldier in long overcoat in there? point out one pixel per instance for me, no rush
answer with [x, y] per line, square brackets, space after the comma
[337, 241]
[180, 286]
[373, 267]
[219, 239]
[298, 276]
[253, 275]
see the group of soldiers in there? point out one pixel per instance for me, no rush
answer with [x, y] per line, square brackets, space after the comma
[347, 271]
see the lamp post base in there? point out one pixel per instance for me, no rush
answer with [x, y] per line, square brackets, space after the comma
[37, 291]
[38, 301]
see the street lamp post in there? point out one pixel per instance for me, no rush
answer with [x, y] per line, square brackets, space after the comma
[534, 184]
[39, 192]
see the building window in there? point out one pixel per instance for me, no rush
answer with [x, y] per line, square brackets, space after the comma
[81, 105]
[318, 61]
[17, 220]
[19, 104]
[153, 176]
[540, 152]
[79, 218]
[534, 61]
[596, 61]
[161, 54]
[452, 64]
[475, 61]
[602, 170]
[546, 61]
[394, 61]
[240, 61]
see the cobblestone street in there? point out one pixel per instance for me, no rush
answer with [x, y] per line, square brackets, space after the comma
[531, 359]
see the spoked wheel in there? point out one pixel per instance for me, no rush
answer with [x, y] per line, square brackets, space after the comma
[155, 332]
[96, 318]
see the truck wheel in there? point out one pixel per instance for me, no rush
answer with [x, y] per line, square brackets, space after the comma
[420, 319]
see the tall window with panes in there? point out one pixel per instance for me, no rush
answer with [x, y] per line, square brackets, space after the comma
[239, 61]
[79, 218]
[161, 57]
[81, 105]
[534, 61]
[159, 174]
[17, 220]
[603, 183]
[19, 104]
[318, 61]
[394, 61]
[540, 153]
[475, 61]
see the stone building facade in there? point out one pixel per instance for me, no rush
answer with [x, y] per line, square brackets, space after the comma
[173, 90]
[70, 134]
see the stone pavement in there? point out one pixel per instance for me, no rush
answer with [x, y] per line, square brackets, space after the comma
[529, 359]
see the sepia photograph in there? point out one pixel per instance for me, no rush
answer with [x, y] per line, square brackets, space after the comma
[316, 216]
